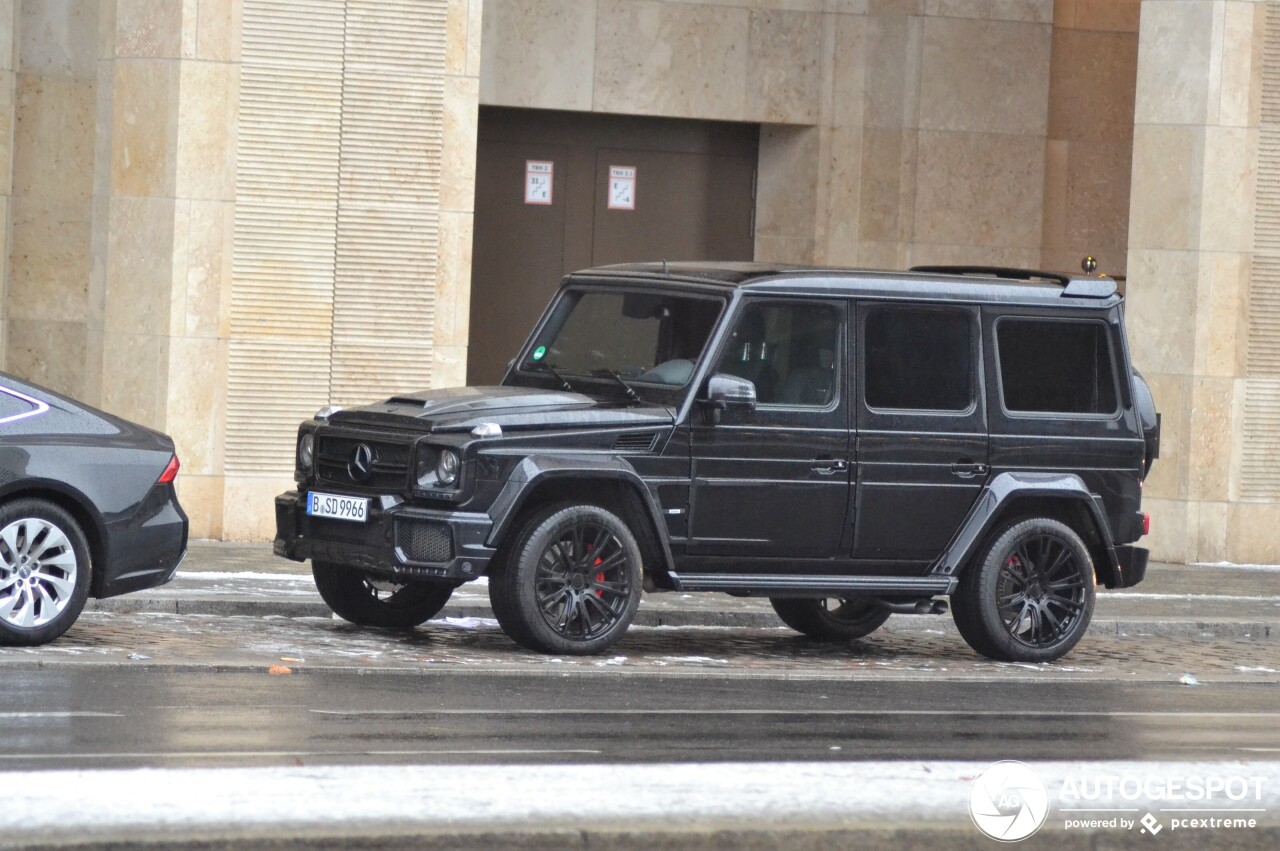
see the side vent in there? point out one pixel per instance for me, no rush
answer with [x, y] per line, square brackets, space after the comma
[636, 442]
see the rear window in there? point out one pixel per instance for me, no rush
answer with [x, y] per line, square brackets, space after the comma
[918, 359]
[14, 406]
[1056, 367]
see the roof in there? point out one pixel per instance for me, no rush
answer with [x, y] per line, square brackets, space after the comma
[961, 283]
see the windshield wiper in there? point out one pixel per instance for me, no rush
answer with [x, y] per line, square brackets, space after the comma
[631, 391]
[563, 381]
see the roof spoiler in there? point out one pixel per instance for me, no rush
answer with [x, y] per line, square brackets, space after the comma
[1099, 287]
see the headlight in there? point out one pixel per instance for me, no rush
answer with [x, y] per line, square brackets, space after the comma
[447, 467]
[437, 467]
[306, 452]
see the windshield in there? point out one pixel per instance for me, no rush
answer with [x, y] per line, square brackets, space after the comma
[644, 338]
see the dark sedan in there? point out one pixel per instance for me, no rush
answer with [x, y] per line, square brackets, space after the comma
[87, 509]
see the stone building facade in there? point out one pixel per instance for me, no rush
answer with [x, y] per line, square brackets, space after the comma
[219, 215]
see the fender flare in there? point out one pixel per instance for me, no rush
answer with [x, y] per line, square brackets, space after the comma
[535, 470]
[1006, 489]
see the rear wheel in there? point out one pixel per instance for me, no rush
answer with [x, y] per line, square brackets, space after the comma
[1030, 597]
[44, 572]
[830, 618]
[368, 600]
[570, 582]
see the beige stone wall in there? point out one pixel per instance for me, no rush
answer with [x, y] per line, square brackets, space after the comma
[8, 87]
[355, 191]
[48, 308]
[896, 131]
[1199, 324]
[1093, 76]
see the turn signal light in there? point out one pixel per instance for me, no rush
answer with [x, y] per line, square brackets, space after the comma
[1146, 524]
[171, 472]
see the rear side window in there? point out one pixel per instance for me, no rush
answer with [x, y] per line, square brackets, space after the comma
[15, 406]
[918, 359]
[1055, 367]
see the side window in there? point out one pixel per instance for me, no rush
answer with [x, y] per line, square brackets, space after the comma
[1060, 367]
[788, 351]
[918, 359]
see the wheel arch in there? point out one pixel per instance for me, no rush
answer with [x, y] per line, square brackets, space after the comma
[1016, 496]
[78, 506]
[539, 481]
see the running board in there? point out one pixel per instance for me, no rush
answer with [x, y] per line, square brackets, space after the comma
[925, 586]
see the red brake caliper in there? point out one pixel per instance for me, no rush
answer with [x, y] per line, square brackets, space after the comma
[599, 576]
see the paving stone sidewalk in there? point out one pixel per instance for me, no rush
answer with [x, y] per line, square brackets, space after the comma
[1208, 601]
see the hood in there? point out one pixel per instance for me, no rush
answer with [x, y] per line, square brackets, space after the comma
[463, 408]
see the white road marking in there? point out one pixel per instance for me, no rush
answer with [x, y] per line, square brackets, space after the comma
[62, 757]
[61, 714]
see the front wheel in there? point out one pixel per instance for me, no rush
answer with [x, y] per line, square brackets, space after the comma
[830, 619]
[570, 582]
[44, 572]
[1030, 597]
[366, 600]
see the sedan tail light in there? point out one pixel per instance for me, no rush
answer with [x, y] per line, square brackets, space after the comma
[170, 472]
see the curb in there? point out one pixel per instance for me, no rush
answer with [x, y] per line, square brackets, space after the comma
[947, 835]
[1254, 630]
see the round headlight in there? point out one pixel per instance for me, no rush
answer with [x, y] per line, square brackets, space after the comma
[447, 467]
[306, 451]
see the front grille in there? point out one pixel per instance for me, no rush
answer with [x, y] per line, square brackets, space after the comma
[388, 466]
[345, 532]
[424, 542]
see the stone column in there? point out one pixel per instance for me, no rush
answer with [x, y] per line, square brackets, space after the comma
[8, 81]
[1191, 268]
[162, 212]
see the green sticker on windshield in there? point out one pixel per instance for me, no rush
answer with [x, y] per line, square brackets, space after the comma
[539, 353]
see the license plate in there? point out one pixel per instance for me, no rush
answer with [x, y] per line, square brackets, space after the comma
[353, 508]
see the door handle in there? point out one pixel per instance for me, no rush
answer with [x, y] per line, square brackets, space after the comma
[967, 469]
[829, 466]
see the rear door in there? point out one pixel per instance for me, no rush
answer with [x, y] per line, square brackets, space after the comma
[921, 429]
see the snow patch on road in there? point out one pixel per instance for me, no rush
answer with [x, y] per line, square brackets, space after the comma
[222, 576]
[86, 804]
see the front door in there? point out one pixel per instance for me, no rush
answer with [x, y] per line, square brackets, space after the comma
[773, 482]
[922, 430]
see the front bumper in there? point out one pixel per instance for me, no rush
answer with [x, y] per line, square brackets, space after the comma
[399, 540]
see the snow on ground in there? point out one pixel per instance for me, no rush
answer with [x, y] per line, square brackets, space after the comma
[445, 796]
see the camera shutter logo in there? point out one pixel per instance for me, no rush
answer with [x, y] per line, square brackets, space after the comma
[1008, 802]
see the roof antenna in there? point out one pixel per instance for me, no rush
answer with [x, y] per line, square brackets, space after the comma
[664, 267]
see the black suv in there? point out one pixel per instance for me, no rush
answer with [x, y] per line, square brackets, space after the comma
[847, 443]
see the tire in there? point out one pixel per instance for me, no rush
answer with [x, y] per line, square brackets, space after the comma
[570, 582]
[817, 618]
[366, 600]
[44, 572]
[1030, 597]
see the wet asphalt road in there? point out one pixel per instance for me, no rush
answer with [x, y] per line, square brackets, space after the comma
[101, 717]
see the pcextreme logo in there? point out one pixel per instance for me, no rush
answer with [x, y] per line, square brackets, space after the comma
[1008, 801]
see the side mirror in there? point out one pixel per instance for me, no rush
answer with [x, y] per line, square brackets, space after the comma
[729, 391]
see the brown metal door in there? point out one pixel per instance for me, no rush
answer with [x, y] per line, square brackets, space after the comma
[693, 201]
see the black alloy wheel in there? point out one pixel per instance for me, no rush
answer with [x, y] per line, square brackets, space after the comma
[367, 600]
[1031, 597]
[830, 618]
[571, 581]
